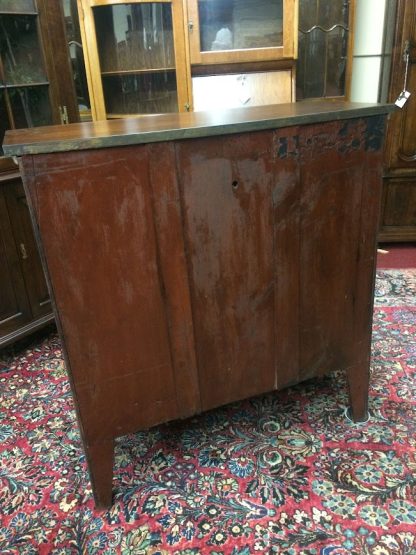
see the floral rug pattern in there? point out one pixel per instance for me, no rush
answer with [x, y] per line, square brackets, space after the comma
[282, 473]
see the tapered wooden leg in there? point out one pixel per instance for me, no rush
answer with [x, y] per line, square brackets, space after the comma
[358, 383]
[100, 456]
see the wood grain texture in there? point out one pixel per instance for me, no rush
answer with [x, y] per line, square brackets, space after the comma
[194, 273]
[225, 185]
[92, 60]
[145, 129]
[330, 216]
[57, 53]
[339, 212]
[174, 275]
[111, 304]
[286, 197]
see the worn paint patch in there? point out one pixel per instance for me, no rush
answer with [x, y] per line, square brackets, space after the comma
[374, 132]
[287, 147]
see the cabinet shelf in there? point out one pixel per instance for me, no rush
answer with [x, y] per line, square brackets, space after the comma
[4, 12]
[18, 7]
[23, 85]
[123, 72]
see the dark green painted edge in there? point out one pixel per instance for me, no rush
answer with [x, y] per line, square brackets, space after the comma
[163, 135]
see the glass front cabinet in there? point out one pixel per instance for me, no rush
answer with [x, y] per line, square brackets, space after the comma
[136, 53]
[145, 57]
[24, 83]
[36, 88]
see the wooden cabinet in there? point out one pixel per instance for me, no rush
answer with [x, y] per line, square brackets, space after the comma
[14, 303]
[24, 302]
[147, 58]
[25, 86]
[137, 57]
[197, 259]
[398, 216]
[241, 31]
[37, 87]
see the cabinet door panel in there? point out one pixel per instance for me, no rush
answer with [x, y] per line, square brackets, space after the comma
[398, 221]
[36, 287]
[111, 307]
[400, 207]
[242, 31]
[136, 56]
[226, 196]
[14, 305]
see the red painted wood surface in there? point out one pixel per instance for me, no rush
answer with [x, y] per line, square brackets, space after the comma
[228, 223]
[193, 273]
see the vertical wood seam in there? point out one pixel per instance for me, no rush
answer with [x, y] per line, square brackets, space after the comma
[188, 265]
[159, 269]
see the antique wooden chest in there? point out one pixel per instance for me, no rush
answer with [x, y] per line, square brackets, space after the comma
[198, 259]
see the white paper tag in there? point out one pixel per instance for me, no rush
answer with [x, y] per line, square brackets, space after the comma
[402, 99]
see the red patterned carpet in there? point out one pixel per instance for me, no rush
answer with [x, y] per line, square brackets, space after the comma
[397, 255]
[283, 473]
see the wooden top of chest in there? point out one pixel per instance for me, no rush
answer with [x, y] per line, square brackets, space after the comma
[166, 127]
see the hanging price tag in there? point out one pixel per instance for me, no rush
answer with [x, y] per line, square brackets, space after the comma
[404, 95]
[402, 99]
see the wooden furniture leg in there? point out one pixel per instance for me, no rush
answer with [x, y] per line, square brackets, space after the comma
[358, 383]
[100, 457]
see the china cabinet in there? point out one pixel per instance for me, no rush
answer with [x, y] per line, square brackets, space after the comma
[175, 56]
[35, 79]
[36, 89]
[136, 54]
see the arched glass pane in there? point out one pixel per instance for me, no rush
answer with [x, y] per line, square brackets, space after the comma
[323, 45]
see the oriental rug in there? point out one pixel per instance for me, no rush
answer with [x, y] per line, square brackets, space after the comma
[282, 473]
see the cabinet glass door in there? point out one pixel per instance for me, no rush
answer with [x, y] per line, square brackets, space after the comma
[24, 86]
[324, 48]
[137, 57]
[240, 30]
